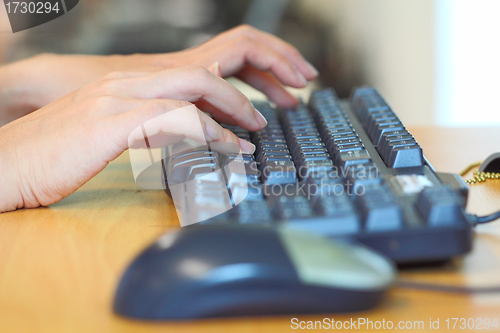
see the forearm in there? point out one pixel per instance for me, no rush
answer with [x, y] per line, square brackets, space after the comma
[30, 84]
[19, 95]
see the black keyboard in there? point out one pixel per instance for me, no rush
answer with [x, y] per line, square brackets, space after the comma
[345, 169]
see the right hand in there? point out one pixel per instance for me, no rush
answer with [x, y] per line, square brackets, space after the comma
[260, 59]
[47, 155]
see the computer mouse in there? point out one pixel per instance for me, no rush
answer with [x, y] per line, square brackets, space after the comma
[218, 271]
[491, 164]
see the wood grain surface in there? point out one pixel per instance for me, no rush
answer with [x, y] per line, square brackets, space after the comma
[59, 266]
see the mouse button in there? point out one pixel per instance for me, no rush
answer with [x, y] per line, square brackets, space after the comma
[225, 245]
[253, 274]
[320, 261]
[491, 164]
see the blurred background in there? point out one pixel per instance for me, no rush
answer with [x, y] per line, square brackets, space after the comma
[435, 61]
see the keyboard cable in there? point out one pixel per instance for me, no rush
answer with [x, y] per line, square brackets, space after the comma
[478, 177]
[484, 219]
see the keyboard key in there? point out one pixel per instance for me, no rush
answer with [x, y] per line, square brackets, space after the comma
[330, 139]
[272, 146]
[252, 212]
[387, 133]
[298, 147]
[192, 153]
[380, 210]
[197, 158]
[278, 172]
[190, 170]
[347, 158]
[316, 168]
[329, 184]
[390, 146]
[240, 170]
[246, 191]
[272, 157]
[388, 123]
[373, 123]
[406, 156]
[337, 149]
[291, 207]
[314, 157]
[341, 217]
[362, 175]
[376, 137]
[440, 206]
[308, 151]
[386, 139]
[206, 199]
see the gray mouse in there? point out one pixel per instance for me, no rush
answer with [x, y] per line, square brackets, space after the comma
[214, 271]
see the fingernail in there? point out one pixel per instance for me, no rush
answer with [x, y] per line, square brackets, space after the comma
[312, 68]
[246, 146]
[302, 78]
[260, 119]
[215, 68]
[300, 75]
[212, 132]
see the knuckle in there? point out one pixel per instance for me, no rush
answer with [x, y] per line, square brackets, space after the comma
[156, 104]
[195, 68]
[199, 72]
[246, 28]
[244, 39]
[114, 75]
[226, 135]
[293, 51]
[96, 89]
[167, 105]
[103, 102]
[108, 86]
[178, 104]
[86, 92]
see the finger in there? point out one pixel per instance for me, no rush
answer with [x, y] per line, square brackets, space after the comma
[219, 134]
[193, 83]
[219, 116]
[247, 51]
[277, 44]
[284, 48]
[206, 107]
[159, 123]
[269, 85]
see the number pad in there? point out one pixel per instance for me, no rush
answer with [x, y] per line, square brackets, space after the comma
[395, 144]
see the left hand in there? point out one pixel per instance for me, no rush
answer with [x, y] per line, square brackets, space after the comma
[47, 155]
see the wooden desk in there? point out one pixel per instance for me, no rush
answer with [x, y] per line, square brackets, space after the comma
[59, 266]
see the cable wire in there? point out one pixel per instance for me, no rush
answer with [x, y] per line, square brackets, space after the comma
[487, 218]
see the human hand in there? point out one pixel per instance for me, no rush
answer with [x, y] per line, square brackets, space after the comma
[262, 60]
[47, 155]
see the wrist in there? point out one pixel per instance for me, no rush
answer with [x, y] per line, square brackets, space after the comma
[10, 194]
[162, 60]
